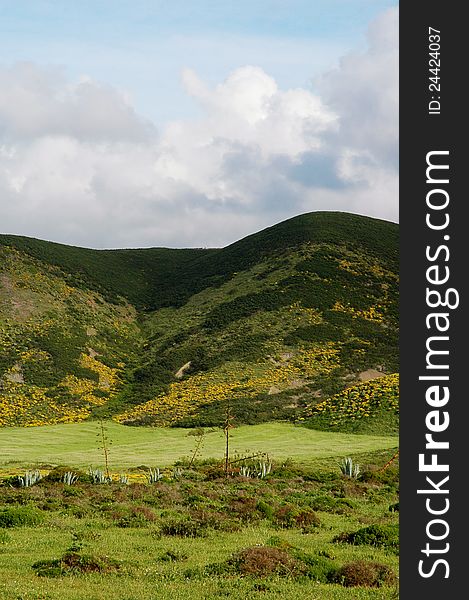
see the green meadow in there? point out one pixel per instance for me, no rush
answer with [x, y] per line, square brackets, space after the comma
[77, 444]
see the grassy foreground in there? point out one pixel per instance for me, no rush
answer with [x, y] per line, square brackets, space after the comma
[77, 444]
[301, 532]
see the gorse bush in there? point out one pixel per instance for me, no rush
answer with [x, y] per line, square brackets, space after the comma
[183, 528]
[20, 516]
[73, 563]
[381, 536]
[366, 574]
[263, 561]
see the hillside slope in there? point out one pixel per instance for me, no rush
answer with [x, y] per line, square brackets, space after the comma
[266, 328]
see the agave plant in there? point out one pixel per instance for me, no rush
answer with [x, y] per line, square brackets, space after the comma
[154, 475]
[177, 473]
[29, 478]
[98, 476]
[245, 471]
[70, 478]
[349, 469]
[264, 468]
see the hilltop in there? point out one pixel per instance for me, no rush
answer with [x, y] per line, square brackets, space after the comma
[274, 326]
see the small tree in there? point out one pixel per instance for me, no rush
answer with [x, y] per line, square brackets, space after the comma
[105, 445]
[199, 442]
[227, 425]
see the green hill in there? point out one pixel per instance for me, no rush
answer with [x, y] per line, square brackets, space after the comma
[267, 328]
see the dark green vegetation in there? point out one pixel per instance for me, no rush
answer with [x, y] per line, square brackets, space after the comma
[298, 532]
[265, 328]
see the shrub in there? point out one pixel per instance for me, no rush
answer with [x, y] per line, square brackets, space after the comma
[261, 561]
[20, 516]
[319, 568]
[139, 516]
[4, 537]
[214, 520]
[244, 508]
[330, 504]
[381, 536]
[365, 573]
[172, 556]
[289, 516]
[265, 509]
[389, 476]
[58, 474]
[75, 563]
[190, 529]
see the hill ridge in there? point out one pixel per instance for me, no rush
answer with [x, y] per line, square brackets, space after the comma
[275, 322]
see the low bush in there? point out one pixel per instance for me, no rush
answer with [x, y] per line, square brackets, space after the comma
[290, 516]
[321, 569]
[330, 504]
[179, 528]
[380, 536]
[56, 475]
[172, 556]
[73, 563]
[4, 537]
[366, 574]
[262, 561]
[20, 516]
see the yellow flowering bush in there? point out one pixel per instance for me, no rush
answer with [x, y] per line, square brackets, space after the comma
[373, 313]
[29, 406]
[359, 401]
[234, 381]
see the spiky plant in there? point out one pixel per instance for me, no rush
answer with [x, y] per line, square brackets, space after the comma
[349, 469]
[30, 478]
[98, 476]
[264, 468]
[70, 478]
[154, 475]
[245, 471]
[177, 473]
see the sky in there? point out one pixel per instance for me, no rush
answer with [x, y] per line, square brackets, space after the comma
[193, 123]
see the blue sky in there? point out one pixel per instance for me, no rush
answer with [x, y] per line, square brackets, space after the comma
[142, 46]
[127, 123]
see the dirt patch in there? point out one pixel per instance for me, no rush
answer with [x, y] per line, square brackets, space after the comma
[22, 307]
[15, 375]
[370, 374]
[292, 385]
[182, 370]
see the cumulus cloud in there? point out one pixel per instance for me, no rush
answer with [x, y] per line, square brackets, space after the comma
[79, 165]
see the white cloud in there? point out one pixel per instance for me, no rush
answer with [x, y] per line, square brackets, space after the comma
[79, 165]
[41, 102]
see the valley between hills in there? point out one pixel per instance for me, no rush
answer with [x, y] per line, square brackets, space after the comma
[202, 423]
[296, 323]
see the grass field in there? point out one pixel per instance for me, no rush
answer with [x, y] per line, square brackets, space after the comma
[77, 444]
[174, 540]
[148, 579]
